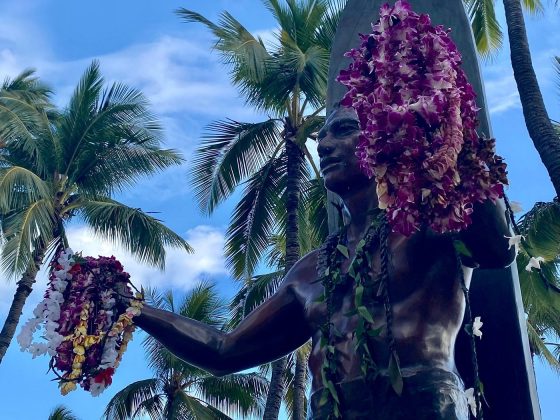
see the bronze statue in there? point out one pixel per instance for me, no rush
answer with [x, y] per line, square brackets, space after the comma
[426, 296]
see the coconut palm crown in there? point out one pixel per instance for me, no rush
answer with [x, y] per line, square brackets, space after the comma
[287, 80]
[55, 166]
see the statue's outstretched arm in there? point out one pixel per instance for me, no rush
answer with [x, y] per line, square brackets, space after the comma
[272, 330]
[486, 236]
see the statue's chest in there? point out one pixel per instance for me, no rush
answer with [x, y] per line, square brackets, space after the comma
[340, 306]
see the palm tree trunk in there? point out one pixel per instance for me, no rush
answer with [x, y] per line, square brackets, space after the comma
[537, 121]
[275, 390]
[294, 159]
[24, 288]
[293, 183]
[299, 386]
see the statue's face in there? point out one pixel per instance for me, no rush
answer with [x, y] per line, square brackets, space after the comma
[337, 149]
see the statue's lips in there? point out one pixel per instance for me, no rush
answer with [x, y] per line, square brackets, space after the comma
[329, 163]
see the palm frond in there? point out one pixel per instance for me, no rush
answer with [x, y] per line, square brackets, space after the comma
[126, 403]
[163, 300]
[238, 395]
[162, 361]
[486, 28]
[141, 234]
[28, 87]
[326, 30]
[19, 187]
[230, 152]
[541, 228]
[282, 14]
[239, 49]
[61, 412]
[98, 120]
[24, 231]
[187, 407]
[152, 407]
[25, 132]
[113, 168]
[252, 294]
[81, 108]
[294, 69]
[252, 220]
[540, 348]
[532, 6]
[204, 304]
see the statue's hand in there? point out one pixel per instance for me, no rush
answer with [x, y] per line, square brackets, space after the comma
[123, 296]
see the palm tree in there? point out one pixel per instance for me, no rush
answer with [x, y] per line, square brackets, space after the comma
[57, 165]
[283, 79]
[488, 36]
[60, 412]
[313, 231]
[179, 390]
[541, 288]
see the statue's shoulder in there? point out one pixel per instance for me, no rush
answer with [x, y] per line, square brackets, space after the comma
[304, 270]
[312, 265]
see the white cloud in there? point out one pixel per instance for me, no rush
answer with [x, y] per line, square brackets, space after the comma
[501, 93]
[183, 271]
[22, 44]
[176, 74]
[179, 76]
[501, 89]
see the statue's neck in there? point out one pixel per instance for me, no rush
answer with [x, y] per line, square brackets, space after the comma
[362, 204]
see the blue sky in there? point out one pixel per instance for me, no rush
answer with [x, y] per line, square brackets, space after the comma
[143, 44]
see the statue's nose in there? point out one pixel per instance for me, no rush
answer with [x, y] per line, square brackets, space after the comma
[325, 147]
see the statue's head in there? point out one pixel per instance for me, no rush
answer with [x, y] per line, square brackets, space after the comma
[337, 150]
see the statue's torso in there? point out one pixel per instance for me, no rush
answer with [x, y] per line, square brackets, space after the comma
[427, 309]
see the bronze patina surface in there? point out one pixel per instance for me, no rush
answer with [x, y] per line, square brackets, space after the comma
[427, 305]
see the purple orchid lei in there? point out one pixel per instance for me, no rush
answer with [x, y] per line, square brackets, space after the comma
[418, 116]
[84, 330]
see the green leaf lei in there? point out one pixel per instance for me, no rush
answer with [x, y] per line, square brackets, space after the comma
[331, 257]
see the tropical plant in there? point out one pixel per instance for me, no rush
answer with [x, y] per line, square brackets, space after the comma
[179, 390]
[286, 79]
[58, 165]
[60, 412]
[540, 287]
[488, 37]
[255, 291]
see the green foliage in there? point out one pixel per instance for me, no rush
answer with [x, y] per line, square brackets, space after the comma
[281, 79]
[141, 234]
[486, 27]
[180, 390]
[252, 222]
[56, 165]
[229, 153]
[541, 288]
[62, 413]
